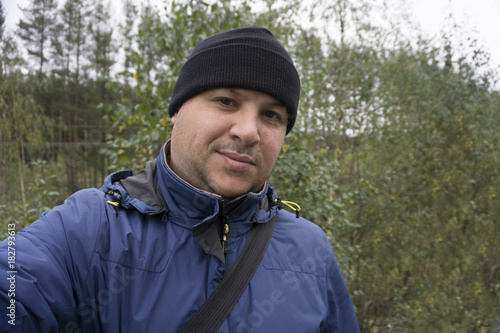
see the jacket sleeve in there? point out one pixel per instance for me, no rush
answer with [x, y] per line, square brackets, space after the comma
[39, 284]
[341, 316]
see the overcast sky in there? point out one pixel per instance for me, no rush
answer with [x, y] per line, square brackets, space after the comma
[480, 17]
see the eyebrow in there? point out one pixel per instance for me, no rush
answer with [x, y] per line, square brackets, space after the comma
[272, 103]
[233, 90]
[277, 103]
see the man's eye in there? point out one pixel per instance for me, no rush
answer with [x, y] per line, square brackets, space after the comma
[272, 115]
[225, 101]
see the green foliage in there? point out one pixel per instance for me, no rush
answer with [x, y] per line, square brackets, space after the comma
[427, 200]
[23, 139]
[44, 189]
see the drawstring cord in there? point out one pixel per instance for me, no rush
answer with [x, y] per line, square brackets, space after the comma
[290, 204]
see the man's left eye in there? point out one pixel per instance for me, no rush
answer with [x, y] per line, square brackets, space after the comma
[272, 114]
[225, 101]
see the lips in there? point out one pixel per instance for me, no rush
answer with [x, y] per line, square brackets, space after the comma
[235, 161]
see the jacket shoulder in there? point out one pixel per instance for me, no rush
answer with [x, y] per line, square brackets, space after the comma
[299, 227]
[82, 206]
[299, 246]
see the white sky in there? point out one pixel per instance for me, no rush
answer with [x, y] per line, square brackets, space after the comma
[479, 17]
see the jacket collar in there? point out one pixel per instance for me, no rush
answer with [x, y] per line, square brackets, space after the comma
[206, 213]
[194, 206]
[156, 189]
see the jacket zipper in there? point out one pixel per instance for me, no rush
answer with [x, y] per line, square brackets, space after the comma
[225, 232]
[225, 222]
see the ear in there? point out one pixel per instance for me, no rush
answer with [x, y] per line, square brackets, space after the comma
[174, 118]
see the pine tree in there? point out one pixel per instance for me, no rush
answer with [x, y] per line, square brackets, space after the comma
[126, 30]
[34, 30]
[70, 54]
[102, 48]
[147, 44]
[72, 41]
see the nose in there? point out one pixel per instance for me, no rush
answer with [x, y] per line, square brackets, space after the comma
[245, 127]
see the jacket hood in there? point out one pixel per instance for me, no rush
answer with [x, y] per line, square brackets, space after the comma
[140, 191]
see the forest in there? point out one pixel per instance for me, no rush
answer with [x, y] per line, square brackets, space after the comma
[395, 153]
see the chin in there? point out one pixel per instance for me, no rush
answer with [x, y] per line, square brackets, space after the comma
[233, 192]
[232, 187]
[228, 196]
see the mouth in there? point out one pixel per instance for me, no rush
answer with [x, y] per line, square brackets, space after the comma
[237, 162]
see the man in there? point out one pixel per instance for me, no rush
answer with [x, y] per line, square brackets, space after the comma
[147, 250]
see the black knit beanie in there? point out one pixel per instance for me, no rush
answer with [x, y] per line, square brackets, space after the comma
[246, 58]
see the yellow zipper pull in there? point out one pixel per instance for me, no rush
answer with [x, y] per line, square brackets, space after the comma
[118, 199]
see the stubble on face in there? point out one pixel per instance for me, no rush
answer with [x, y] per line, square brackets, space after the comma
[204, 178]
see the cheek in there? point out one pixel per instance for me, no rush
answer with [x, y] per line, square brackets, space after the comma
[197, 137]
[271, 148]
[178, 137]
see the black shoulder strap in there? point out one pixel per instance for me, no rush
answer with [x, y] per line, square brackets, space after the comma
[219, 304]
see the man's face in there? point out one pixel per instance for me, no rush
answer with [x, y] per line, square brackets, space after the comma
[226, 141]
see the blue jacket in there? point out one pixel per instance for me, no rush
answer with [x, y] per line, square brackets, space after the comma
[148, 264]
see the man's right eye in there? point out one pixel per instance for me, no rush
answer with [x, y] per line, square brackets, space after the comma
[225, 101]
